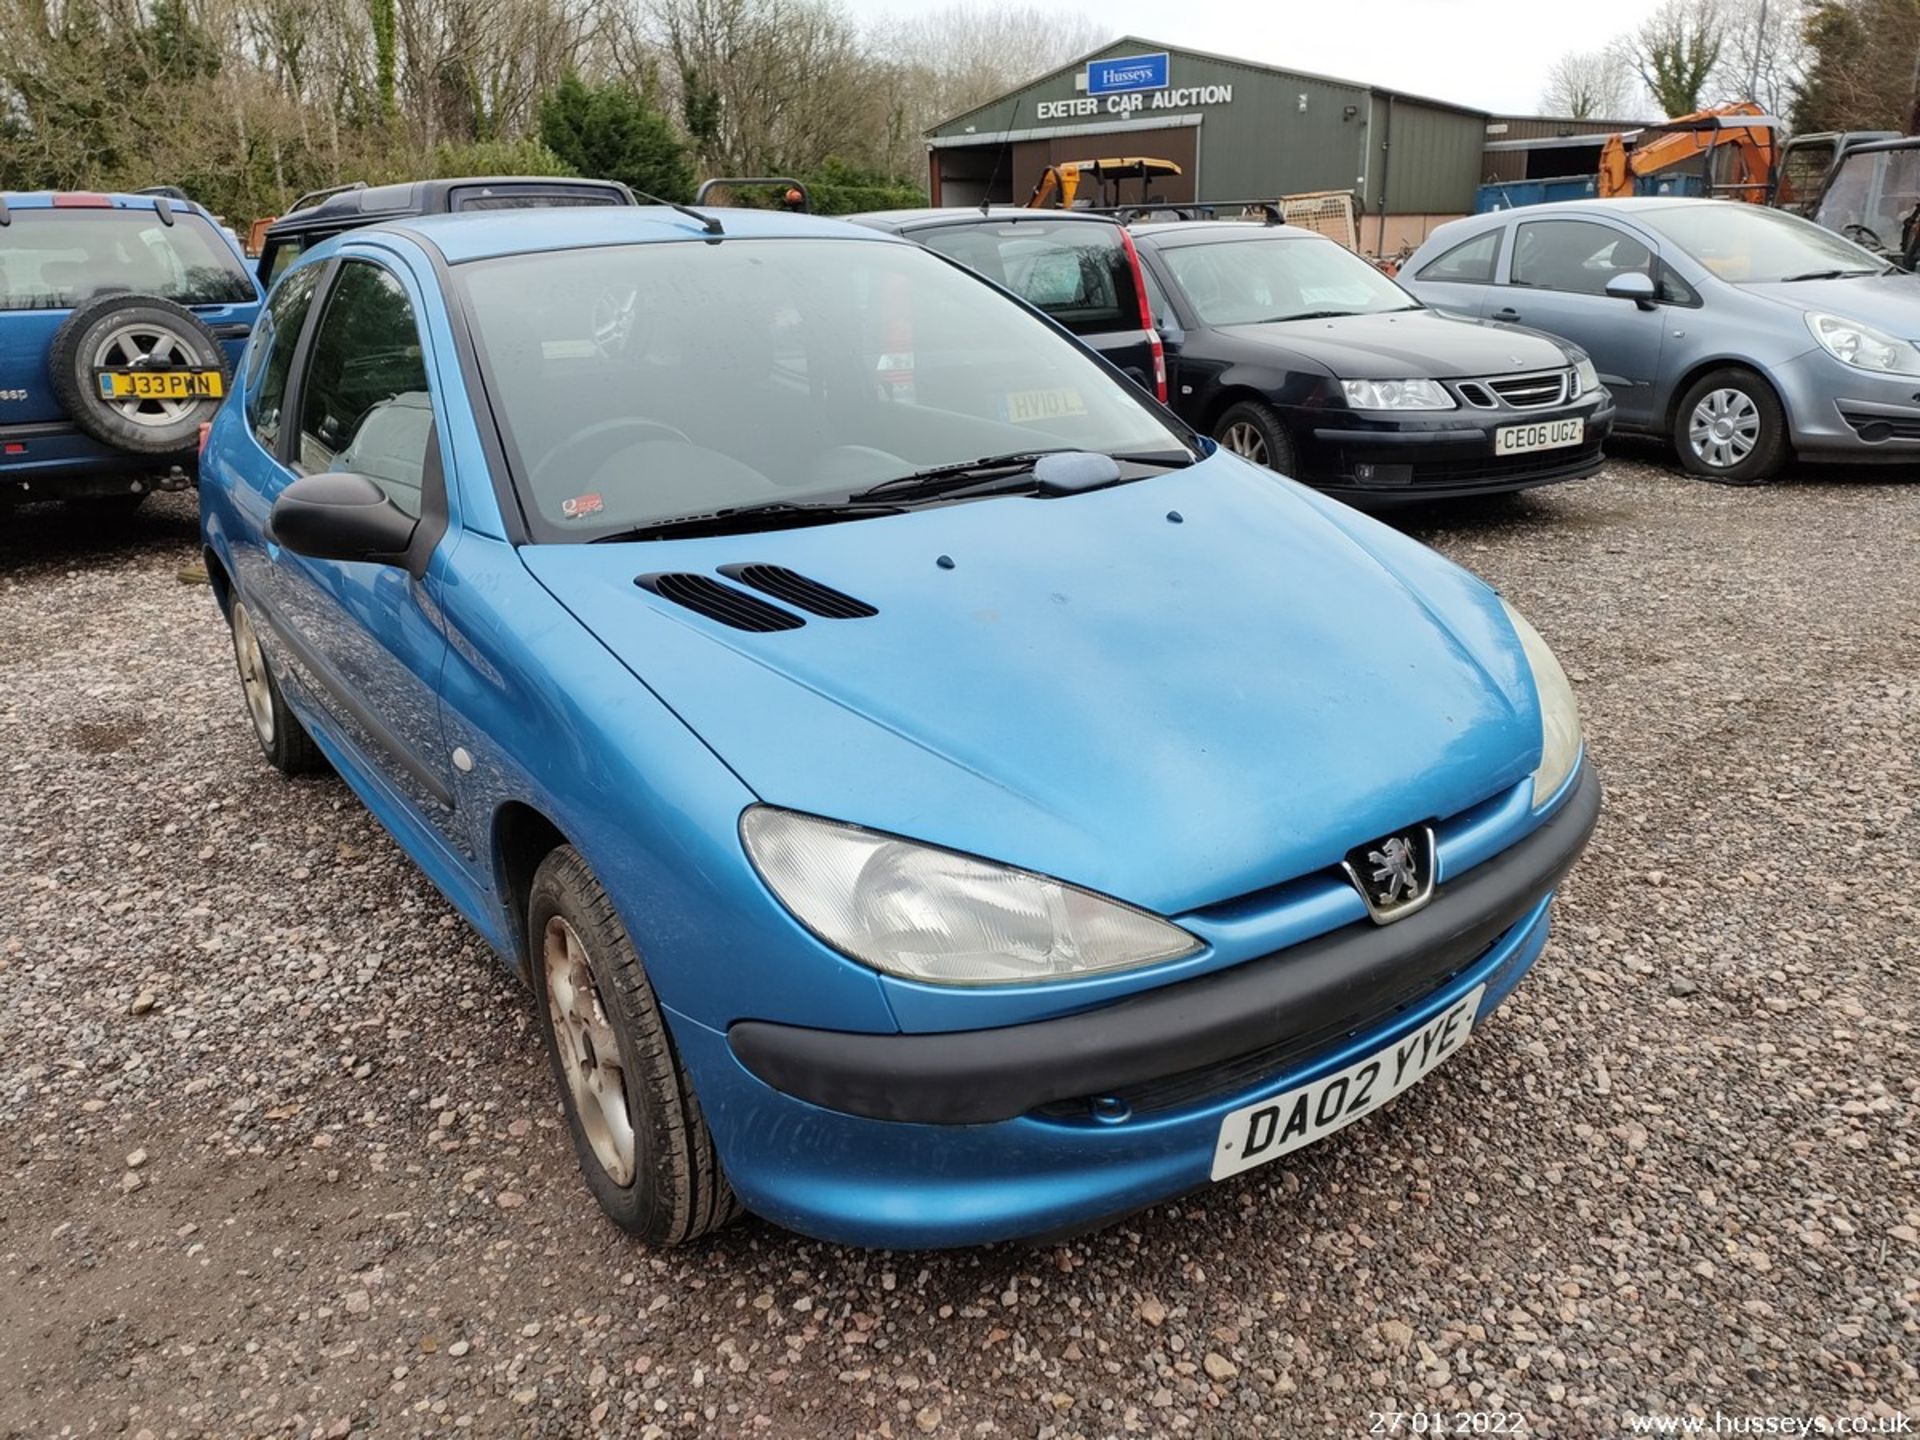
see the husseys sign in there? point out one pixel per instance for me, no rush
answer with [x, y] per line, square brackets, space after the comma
[1129, 83]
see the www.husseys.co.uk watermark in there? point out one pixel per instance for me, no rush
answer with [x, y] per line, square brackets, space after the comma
[1722, 1422]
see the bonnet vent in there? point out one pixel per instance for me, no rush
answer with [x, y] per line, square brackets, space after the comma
[719, 602]
[797, 590]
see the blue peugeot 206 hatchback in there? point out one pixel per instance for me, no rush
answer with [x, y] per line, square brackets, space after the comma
[932, 795]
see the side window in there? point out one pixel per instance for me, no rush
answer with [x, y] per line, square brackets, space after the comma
[1470, 262]
[1157, 300]
[281, 254]
[364, 405]
[1575, 255]
[271, 355]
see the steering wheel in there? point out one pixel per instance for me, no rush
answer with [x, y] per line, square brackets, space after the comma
[1864, 234]
[592, 447]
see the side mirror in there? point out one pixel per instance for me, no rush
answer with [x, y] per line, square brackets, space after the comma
[1634, 285]
[335, 516]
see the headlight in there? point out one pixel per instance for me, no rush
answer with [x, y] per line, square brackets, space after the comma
[1852, 342]
[1396, 395]
[930, 914]
[1586, 379]
[1559, 716]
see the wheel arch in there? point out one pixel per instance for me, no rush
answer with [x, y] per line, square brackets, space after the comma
[218, 579]
[1228, 396]
[523, 836]
[1676, 392]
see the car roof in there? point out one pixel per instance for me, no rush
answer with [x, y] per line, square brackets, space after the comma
[1624, 205]
[115, 200]
[364, 203]
[1874, 147]
[487, 234]
[933, 215]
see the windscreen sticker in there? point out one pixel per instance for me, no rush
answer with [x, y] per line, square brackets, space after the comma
[581, 506]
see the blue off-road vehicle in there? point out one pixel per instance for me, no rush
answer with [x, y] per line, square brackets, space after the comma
[121, 317]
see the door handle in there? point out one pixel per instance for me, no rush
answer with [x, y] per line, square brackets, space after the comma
[1506, 312]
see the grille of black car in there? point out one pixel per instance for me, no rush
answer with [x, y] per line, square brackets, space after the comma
[1531, 392]
[797, 590]
[708, 597]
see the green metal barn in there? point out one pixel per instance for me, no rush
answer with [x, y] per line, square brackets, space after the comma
[1239, 131]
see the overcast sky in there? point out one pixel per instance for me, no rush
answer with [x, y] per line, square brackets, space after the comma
[1490, 54]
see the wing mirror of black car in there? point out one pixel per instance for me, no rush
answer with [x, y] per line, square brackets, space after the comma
[337, 516]
[1634, 285]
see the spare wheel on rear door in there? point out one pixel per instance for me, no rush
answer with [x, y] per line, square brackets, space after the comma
[108, 342]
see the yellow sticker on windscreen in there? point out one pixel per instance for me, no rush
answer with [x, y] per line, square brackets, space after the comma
[1026, 406]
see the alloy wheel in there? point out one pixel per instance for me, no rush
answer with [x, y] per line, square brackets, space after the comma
[1724, 428]
[146, 346]
[589, 1051]
[1245, 440]
[252, 663]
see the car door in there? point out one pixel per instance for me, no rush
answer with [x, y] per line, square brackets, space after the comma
[365, 641]
[1556, 280]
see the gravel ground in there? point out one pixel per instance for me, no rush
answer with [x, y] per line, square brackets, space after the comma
[281, 1153]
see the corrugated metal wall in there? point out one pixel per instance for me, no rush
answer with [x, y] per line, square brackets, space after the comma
[1423, 159]
[1281, 133]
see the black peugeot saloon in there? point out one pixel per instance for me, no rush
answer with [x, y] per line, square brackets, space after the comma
[1296, 353]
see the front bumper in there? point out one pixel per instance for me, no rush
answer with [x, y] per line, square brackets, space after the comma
[965, 1137]
[1838, 413]
[1383, 459]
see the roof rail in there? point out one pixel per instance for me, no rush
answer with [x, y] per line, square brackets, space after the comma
[314, 197]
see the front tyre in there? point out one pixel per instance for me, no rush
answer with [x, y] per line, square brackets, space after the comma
[283, 739]
[1729, 428]
[639, 1135]
[1254, 431]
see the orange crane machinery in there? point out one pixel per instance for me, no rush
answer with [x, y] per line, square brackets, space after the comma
[1732, 144]
[1064, 178]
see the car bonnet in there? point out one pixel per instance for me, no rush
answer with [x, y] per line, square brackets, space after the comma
[1174, 691]
[1405, 344]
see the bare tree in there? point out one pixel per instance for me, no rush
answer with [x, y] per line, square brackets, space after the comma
[1764, 55]
[1676, 52]
[1591, 85]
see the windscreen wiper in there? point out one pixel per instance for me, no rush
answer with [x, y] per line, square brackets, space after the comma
[953, 479]
[744, 519]
[1827, 275]
[1311, 315]
[939, 479]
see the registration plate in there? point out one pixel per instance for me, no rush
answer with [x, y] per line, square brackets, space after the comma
[1547, 435]
[161, 385]
[1026, 406]
[1255, 1134]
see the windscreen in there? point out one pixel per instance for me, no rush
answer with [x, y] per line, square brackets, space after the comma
[1279, 277]
[1749, 244]
[643, 383]
[1871, 197]
[1076, 271]
[55, 259]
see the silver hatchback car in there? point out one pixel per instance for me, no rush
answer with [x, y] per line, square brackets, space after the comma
[1745, 335]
